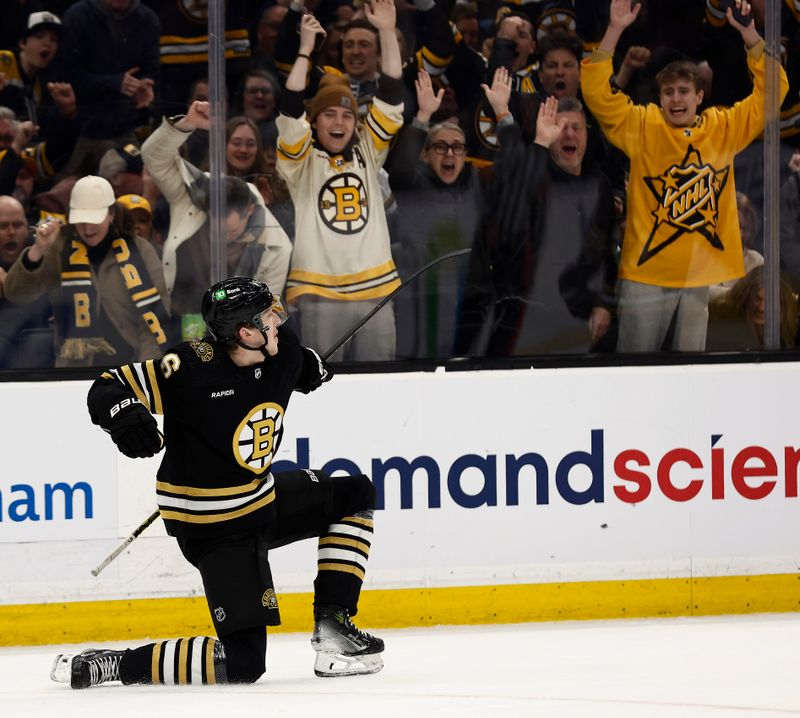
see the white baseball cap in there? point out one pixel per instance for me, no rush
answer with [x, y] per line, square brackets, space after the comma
[90, 200]
[46, 20]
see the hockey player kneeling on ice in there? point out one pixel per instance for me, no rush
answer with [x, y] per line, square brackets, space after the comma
[223, 400]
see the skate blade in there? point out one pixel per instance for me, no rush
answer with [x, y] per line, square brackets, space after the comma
[334, 665]
[61, 670]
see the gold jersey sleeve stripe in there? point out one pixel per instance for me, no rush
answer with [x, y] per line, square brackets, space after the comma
[290, 158]
[434, 59]
[130, 379]
[152, 375]
[297, 148]
[239, 490]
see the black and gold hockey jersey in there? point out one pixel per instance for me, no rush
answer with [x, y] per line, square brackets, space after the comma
[223, 425]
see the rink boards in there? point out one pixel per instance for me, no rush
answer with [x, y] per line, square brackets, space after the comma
[503, 496]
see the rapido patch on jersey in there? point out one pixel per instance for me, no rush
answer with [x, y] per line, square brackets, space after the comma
[343, 203]
[258, 436]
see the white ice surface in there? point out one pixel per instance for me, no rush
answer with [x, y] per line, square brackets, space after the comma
[735, 667]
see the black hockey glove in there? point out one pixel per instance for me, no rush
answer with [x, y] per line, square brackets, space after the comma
[136, 433]
[323, 371]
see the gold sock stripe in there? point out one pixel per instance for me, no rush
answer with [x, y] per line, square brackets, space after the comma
[211, 676]
[369, 523]
[155, 661]
[358, 544]
[183, 660]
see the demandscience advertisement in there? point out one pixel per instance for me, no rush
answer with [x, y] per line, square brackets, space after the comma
[525, 476]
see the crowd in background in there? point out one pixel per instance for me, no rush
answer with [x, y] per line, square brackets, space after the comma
[364, 141]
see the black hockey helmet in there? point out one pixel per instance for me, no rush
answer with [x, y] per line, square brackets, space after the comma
[236, 301]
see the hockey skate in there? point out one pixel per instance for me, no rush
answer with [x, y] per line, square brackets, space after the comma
[342, 649]
[89, 668]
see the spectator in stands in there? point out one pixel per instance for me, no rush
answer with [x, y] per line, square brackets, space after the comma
[257, 99]
[748, 228]
[560, 55]
[106, 286]
[141, 214]
[19, 323]
[681, 231]
[513, 47]
[244, 153]
[790, 222]
[184, 46]
[22, 150]
[362, 52]
[14, 136]
[543, 272]
[737, 318]
[256, 245]
[330, 50]
[21, 72]
[465, 20]
[266, 35]
[122, 167]
[23, 166]
[341, 263]
[439, 207]
[110, 55]
[360, 56]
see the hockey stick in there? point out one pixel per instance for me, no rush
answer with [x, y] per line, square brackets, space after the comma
[117, 551]
[349, 335]
[361, 322]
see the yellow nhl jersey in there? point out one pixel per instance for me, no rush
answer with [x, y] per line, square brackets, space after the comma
[682, 227]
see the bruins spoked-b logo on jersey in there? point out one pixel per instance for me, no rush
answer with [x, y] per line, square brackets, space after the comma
[688, 203]
[343, 204]
[258, 436]
[486, 129]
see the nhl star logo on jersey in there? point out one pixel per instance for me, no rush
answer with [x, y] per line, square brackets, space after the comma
[219, 614]
[688, 203]
[258, 372]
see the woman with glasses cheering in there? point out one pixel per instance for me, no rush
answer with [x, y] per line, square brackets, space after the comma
[439, 200]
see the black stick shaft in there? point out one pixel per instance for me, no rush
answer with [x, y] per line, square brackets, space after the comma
[117, 551]
[361, 322]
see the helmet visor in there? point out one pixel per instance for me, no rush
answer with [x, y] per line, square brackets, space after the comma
[277, 308]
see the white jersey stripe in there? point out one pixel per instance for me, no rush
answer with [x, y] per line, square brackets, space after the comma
[200, 504]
